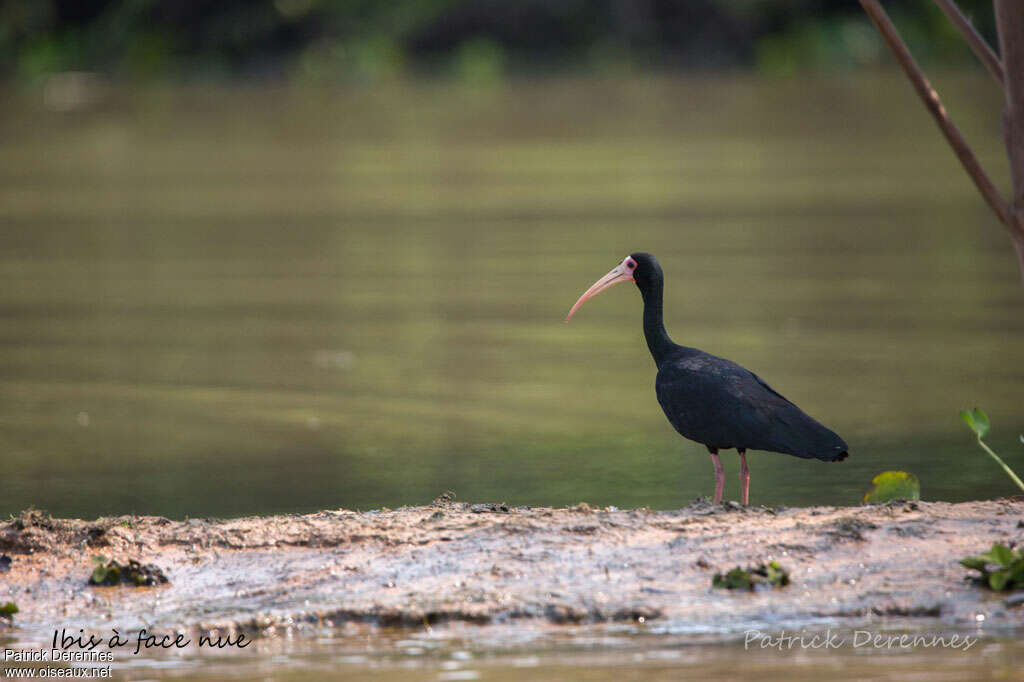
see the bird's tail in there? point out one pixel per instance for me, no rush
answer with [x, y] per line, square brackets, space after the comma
[829, 446]
[803, 436]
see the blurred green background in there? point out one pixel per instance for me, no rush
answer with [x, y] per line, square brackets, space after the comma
[366, 40]
[263, 257]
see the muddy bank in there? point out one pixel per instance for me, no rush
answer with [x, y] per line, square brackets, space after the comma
[492, 564]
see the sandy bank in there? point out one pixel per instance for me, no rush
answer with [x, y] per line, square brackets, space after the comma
[492, 564]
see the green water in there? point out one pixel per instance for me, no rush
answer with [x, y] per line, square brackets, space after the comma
[265, 300]
[598, 654]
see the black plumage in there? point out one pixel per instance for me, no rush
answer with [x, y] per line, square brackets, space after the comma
[715, 401]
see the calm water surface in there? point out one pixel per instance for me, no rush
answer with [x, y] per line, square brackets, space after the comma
[269, 300]
[607, 654]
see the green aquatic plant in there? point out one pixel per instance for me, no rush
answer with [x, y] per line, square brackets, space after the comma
[977, 421]
[102, 574]
[1008, 567]
[752, 577]
[8, 610]
[135, 574]
[893, 485]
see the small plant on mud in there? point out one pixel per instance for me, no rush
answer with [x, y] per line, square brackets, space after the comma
[1007, 572]
[32, 518]
[893, 485]
[101, 573]
[978, 422]
[751, 578]
[8, 610]
[445, 499]
[109, 573]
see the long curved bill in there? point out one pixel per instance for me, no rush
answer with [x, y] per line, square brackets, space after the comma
[619, 274]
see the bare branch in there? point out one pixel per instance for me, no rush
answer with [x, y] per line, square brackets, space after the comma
[1010, 24]
[934, 105]
[1018, 245]
[974, 39]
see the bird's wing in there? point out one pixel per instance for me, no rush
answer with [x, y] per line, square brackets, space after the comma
[722, 404]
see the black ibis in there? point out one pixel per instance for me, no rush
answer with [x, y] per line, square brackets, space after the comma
[715, 401]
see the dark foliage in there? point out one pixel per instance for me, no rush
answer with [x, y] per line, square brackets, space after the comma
[293, 37]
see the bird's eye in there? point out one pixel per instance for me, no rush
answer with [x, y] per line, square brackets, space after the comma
[631, 265]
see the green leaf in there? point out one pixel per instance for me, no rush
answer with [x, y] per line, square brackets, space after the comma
[977, 420]
[981, 419]
[1017, 574]
[977, 563]
[997, 581]
[776, 574]
[893, 485]
[770, 575]
[113, 575]
[969, 420]
[1009, 575]
[737, 578]
[999, 554]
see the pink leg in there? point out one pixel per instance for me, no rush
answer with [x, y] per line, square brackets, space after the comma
[744, 476]
[719, 476]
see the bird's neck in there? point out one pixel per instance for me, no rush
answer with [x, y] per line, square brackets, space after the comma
[658, 341]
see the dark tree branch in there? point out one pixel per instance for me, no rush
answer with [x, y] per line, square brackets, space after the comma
[1010, 24]
[934, 104]
[1010, 20]
[974, 39]
[1007, 215]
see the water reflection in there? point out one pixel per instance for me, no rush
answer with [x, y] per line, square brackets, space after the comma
[259, 301]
